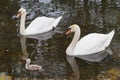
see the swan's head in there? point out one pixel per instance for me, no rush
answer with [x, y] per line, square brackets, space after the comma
[72, 28]
[28, 60]
[21, 11]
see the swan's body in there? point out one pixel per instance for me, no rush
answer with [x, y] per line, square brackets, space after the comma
[89, 47]
[38, 25]
[32, 66]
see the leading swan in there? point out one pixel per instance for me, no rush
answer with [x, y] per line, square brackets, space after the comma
[38, 25]
[88, 45]
[91, 47]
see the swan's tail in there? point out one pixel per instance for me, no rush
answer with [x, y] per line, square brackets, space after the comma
[110, 36]
[56, 21]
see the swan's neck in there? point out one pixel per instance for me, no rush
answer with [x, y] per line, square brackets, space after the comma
[22, 24]
[74, 42]
[27, 64]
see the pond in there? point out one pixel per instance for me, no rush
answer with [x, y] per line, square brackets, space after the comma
[49, 49]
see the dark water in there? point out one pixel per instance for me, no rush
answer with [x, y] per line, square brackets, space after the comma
[48, 49]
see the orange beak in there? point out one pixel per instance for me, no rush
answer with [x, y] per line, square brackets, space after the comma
[68, 31]
[18, 15]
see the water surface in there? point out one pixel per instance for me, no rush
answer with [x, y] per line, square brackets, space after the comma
[48, 49]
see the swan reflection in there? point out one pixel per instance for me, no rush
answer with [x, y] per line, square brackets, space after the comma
[25, 56]
[71, 60]
[23, 47]
[38, 39]
[93, 58]
[97, 57]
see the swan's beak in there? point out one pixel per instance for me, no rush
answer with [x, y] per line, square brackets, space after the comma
[18, 15]
[68, 31]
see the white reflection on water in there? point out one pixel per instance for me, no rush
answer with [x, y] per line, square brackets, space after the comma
[23, 47]
[97, 56]
[38, 37]
[75, 68]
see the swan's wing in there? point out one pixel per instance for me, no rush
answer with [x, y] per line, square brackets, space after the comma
[56, 21]
[90, 44]
[52, 22]
[40, 25]
[110, 36]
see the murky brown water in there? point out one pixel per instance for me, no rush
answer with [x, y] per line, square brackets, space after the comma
[48, 49]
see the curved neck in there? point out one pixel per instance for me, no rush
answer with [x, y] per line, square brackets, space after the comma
[74, 41]
[26, 65]
[22, 24]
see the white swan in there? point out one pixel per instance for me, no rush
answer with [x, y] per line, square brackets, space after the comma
[90, 46]
[32, 66]
[38, 25]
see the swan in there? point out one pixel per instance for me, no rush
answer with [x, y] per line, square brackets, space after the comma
[38, 25]
[91, 46]
[32, 66]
